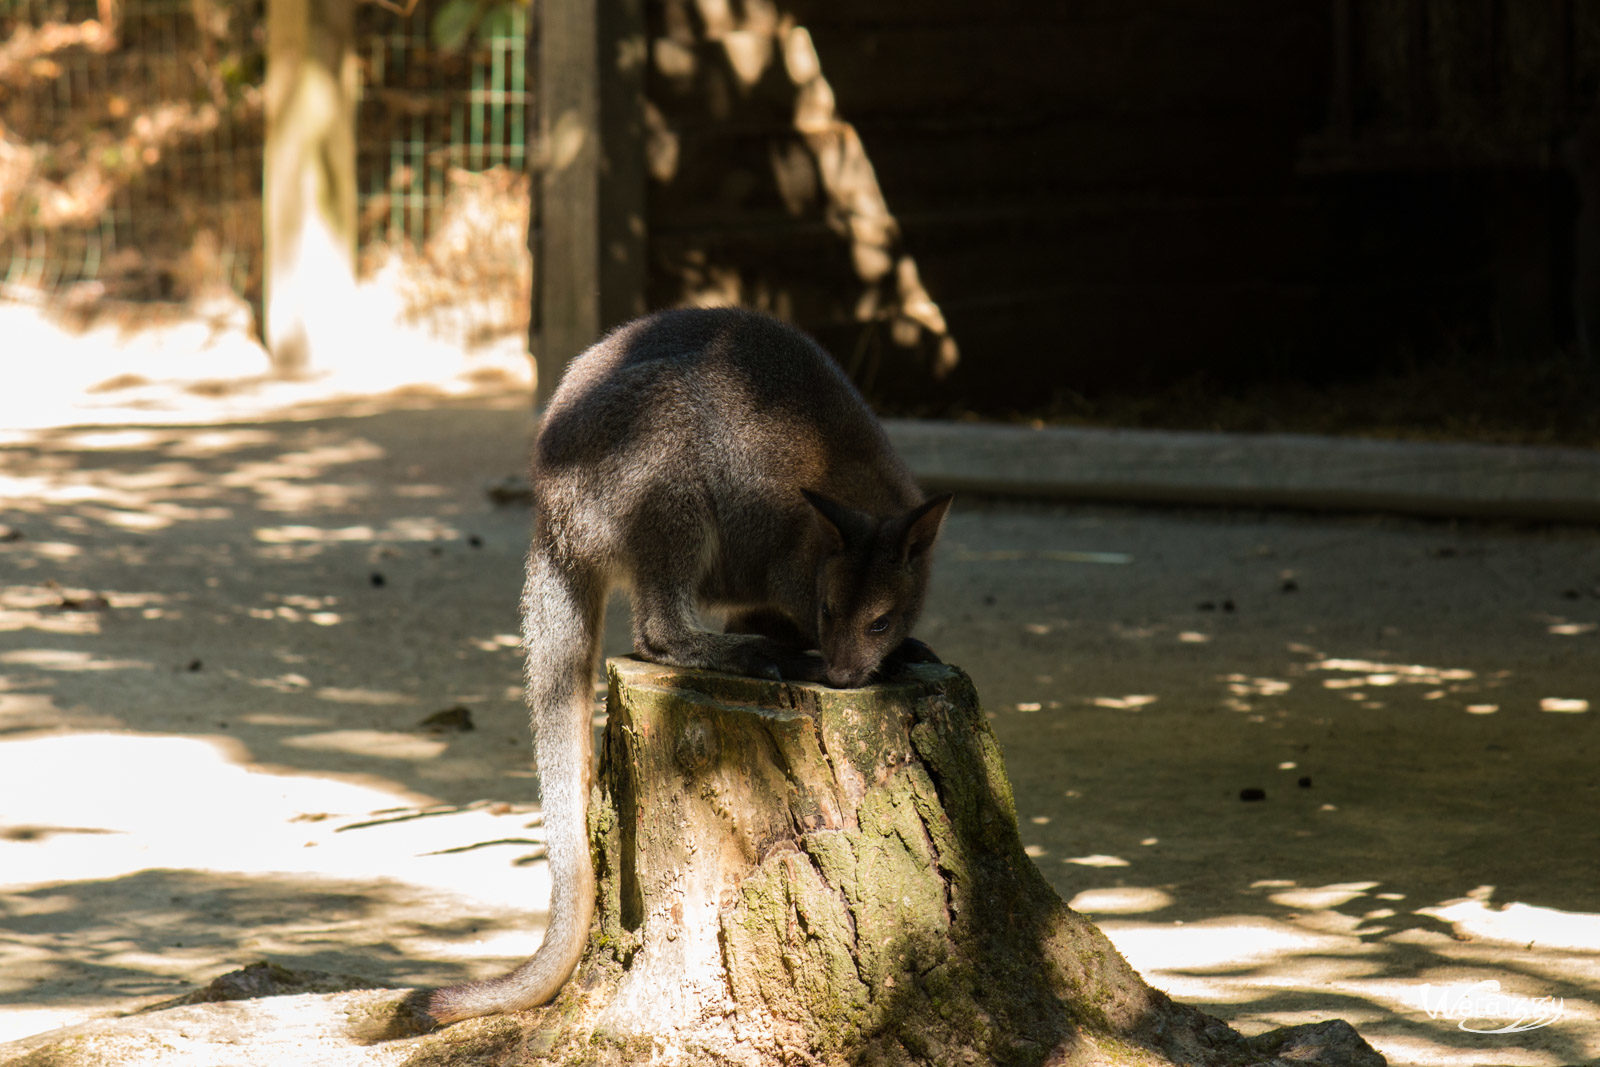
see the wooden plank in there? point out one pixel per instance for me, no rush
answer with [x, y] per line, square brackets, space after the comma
[623, 60]
[872, 13]
[1002, 245]
[925, 164]
[568, 267]
[1063, 155]
[1128, 66]
[1154, 241]
[592, 262]
[1131, 336]
[1132, 67]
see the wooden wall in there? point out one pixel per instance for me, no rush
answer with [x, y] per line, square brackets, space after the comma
[1094, 194]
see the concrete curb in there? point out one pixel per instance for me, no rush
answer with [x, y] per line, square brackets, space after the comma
[1243, 470]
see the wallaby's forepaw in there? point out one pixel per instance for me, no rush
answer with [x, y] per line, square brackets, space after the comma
[763, 667]
[805, 667]
[913, 651]
[909, 651]
[784, 665]
[774, 662]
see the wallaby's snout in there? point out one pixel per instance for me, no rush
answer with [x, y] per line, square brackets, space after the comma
[848, 676]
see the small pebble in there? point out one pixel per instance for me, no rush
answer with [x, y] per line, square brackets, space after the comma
[1252, 793]
[456, 719]
[510, 490]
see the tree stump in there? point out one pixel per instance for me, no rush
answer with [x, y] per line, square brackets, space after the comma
[790, 874]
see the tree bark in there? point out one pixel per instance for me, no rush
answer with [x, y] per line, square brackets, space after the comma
[795, 874]
[589, 251]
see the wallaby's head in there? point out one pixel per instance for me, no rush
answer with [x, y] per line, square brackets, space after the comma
[871, 579]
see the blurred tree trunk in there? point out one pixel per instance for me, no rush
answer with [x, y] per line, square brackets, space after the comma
[309, 172]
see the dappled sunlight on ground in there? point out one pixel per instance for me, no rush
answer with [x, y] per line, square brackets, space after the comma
[220, 644]
[223, 646]
[1477, 916]
[202, 364]
[1331, 795]
[1411, 994]
[130, 859]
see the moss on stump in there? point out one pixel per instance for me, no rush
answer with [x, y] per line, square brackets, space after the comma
[796, 874]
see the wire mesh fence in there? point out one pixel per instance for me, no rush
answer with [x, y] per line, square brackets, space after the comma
[442, 165]
[130, 144]
[425, 112]
[131, 136]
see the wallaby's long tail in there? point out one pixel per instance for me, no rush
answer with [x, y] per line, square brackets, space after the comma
[562, 613]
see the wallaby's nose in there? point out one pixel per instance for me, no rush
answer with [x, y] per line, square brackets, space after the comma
[845, 677]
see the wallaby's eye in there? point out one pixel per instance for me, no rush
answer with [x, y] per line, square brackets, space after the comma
[827, 613]
[880, 625]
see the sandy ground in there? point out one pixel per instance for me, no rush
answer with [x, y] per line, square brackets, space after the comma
[224, 620]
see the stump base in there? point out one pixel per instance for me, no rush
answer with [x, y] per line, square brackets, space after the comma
[797, 874]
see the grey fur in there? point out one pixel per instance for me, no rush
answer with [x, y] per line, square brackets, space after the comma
[700, 458]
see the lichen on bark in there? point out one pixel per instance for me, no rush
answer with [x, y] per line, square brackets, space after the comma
[795, 874]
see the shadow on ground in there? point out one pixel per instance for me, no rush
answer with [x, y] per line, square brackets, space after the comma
[218, 644]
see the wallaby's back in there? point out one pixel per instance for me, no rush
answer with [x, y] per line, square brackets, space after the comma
[726, 399]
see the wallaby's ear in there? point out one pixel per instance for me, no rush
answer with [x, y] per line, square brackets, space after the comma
[923, 525]
[834, 516]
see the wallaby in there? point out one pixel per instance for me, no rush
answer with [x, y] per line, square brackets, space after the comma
[709, 458]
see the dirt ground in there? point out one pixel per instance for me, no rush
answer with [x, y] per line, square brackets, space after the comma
[222, 627]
